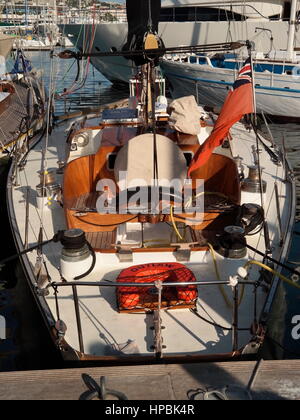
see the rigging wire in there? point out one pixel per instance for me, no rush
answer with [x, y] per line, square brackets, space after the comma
[215, 324]
[267, 257]
[271, 270]
[84, 70]
[44, 151]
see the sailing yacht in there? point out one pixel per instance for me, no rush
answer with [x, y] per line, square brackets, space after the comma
[38, 31]
[189, 22]
[210, 76]
[142, 244]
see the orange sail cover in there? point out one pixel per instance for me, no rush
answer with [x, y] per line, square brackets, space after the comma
[239, 102]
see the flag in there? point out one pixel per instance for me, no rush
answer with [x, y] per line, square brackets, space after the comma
[238, 103]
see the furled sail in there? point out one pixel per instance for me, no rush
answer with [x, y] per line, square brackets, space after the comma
[143, 18]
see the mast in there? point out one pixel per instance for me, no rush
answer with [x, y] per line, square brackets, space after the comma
[26, 13]
[292, 30]
[55, 17]
[6, 9]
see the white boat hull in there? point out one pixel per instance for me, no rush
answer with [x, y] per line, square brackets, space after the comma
[184, 333]
[276, 94]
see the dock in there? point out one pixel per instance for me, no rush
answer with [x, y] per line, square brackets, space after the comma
[274, 380]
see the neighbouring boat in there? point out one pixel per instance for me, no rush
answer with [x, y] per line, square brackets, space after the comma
[277, 83]
[35, 43]
[40, 38]
[131, 261]
[22, 105]
[189, 22]
[209, 77]
[33, 28]
[6, 44]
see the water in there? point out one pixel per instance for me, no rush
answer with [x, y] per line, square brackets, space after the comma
[282, 325]
[96, 91]
[28, 344]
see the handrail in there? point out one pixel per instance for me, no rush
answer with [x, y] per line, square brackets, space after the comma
[160, 285]
[165, 284]
[277, 197]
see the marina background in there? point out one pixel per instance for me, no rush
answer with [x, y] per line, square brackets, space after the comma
[28, 344]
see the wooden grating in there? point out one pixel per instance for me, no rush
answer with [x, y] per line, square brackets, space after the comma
[101, 241]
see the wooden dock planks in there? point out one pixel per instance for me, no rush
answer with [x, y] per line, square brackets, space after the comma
[275, 380]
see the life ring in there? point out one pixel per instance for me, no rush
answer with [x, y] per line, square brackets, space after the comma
[146, 298]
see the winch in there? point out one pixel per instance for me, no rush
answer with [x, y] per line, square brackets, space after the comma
[76, 257]
[232, 244]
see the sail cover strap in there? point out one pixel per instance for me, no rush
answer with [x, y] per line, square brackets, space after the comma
[143, 17]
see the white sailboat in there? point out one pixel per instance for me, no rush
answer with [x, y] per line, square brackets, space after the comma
[38, 31]
[124, 267]
[209, 77]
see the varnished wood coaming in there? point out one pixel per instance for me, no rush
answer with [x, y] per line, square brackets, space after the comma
[81, 176]
[167, 359]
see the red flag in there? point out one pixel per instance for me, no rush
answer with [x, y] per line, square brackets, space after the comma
[239, 102]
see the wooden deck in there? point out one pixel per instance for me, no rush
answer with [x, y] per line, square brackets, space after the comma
[275, 380]
[101, 241]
